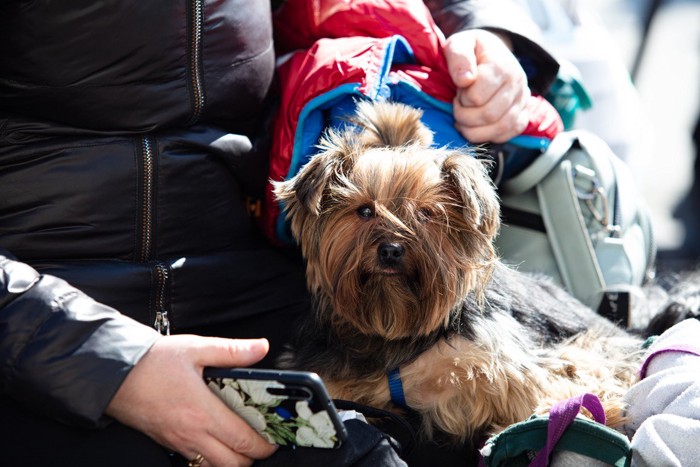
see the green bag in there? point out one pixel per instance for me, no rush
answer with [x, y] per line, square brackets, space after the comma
[561, 438]
[575, 215]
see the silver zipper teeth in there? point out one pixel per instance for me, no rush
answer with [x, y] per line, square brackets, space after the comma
[162, 321]
[147, 208]
[195, 59]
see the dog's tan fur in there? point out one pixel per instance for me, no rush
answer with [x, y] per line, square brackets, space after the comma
[402, 186]
[385, 185]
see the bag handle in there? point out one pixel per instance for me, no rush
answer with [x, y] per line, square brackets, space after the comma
[561, 416]
[541, 166]
[568, 235]
[553, 179]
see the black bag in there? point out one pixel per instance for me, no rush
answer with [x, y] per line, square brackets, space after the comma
[366, 446]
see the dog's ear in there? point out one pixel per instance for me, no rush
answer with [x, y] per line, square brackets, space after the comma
[468, 177]
[390, 124]
[337, 152]
[303, 192]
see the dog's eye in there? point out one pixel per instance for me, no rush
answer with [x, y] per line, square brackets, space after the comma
[365, 212]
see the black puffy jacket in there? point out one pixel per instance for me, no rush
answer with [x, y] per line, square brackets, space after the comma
[125, 158]
[128, 148]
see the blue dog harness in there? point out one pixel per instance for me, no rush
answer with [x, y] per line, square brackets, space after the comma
[396, 388]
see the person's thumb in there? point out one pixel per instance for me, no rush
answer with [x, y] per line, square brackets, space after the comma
[219, 352]
[461, 57]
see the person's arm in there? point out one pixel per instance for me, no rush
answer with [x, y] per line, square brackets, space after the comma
[497, 68]
[507, 19]
[73, 359]
[61, 353]
[165, 397]
[663, 417]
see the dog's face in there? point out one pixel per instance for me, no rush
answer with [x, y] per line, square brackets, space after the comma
[395, 233]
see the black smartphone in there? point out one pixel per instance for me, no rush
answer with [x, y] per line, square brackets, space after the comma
[288, 408]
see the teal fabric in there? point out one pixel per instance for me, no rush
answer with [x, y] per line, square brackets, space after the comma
[519, 443]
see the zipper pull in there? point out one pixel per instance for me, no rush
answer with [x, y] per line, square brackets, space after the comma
[162, 323]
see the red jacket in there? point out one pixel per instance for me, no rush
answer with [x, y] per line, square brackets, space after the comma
[338, 52]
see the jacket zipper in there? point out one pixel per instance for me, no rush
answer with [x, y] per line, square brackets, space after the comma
[162, 320]
[147, 206]
[195, 60]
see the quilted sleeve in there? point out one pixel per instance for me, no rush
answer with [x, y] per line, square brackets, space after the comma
[663, 418]
[61, 353]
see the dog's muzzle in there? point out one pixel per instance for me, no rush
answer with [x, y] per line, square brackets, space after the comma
[390, 254]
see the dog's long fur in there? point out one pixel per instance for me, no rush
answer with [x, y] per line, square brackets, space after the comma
[398, 240]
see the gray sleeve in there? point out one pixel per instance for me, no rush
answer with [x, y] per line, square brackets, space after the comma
[664, 407]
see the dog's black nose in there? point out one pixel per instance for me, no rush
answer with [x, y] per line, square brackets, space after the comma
[390, 253]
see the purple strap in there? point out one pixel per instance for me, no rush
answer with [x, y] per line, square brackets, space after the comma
[689, 349]
[561, 416]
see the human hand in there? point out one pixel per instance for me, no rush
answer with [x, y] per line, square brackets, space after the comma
[492, 90]
[165, 397]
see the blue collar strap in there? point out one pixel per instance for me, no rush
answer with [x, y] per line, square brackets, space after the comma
[396, 388]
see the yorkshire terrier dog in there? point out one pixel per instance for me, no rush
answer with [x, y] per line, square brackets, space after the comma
[398, 240]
